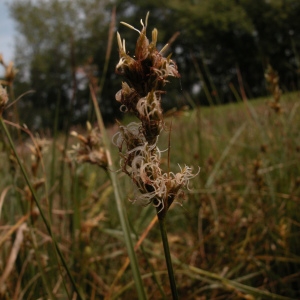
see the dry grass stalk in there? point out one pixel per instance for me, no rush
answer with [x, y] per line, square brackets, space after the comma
[272, 79]
[13, 256]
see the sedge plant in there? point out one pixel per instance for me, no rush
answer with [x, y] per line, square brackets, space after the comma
[145, 76]
[31, 190]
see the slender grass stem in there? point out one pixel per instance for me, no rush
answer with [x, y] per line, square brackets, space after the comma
[46, 222]
[164, 238]
[53, 154]
[39, 263]
[119, 203]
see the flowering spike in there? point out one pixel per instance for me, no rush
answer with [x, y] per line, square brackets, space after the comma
[90, 148]
[146, 74]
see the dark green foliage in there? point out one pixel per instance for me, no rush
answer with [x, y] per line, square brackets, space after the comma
[222, 38]
[57, 40]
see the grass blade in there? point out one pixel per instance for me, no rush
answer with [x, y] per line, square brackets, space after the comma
[119, 203]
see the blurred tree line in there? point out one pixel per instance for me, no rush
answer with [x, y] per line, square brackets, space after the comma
[220, 46]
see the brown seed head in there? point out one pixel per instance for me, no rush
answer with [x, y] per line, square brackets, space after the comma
[3, 98]
[10, 72]
[90, 149]
[148, 70]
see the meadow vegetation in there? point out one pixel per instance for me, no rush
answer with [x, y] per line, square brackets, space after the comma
[233, 235]
[67, 225]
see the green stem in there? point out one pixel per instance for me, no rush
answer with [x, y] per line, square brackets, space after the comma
[164, 238]
[119, 203]
[46, 222]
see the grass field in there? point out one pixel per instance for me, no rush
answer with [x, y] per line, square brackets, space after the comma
[235, 234]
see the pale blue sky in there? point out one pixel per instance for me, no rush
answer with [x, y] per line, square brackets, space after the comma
[7, 33]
